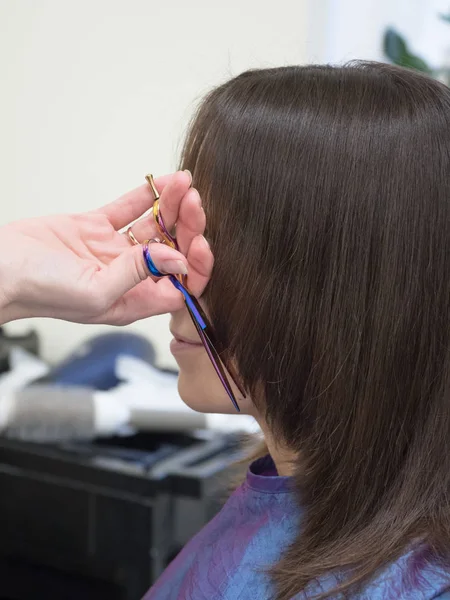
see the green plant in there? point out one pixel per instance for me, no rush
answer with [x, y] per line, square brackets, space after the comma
[398, 52]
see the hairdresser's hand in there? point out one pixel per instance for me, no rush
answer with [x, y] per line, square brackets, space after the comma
[81, 268]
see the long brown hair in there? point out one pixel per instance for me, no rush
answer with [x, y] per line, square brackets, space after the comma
[327, 194]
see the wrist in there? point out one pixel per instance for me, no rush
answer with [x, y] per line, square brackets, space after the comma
[9, 281]
[7, 305]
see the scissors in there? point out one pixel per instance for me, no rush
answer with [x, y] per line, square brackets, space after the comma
[212, 346]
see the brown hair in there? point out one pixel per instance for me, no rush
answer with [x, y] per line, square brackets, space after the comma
[327, 194]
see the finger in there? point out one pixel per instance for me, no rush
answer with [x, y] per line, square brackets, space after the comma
[171, 197]
[147, 299]
[201, 262]
[191, 221]
[145, 229]
[130, 268]
[132, 205]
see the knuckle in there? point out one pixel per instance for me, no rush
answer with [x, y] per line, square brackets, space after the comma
[140, 270]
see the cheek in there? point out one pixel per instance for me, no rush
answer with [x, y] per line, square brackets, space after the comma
[199, 386]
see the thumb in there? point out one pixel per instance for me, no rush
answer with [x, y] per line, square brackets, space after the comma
[130, 268]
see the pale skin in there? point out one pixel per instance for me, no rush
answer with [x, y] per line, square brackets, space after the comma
[201, 389]
[81, 268]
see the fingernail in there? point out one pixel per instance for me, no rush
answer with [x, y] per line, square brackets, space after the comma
[206, 242]
[190, 175]
[174, 266]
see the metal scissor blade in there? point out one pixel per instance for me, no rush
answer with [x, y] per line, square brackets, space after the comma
[215, 359]
[208, 332]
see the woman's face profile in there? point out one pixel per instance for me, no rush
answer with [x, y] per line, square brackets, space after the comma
[198, 383]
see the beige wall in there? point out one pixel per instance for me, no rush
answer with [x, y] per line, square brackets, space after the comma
[95, 93]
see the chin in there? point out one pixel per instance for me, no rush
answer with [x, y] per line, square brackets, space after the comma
[204, 396]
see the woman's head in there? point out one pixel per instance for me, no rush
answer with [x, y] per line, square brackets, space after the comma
[327, 195]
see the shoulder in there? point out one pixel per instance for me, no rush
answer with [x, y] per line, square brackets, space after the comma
[414, 576]
[417, 575]
[228, 558]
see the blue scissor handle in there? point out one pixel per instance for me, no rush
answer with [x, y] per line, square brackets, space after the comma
[187, 296]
